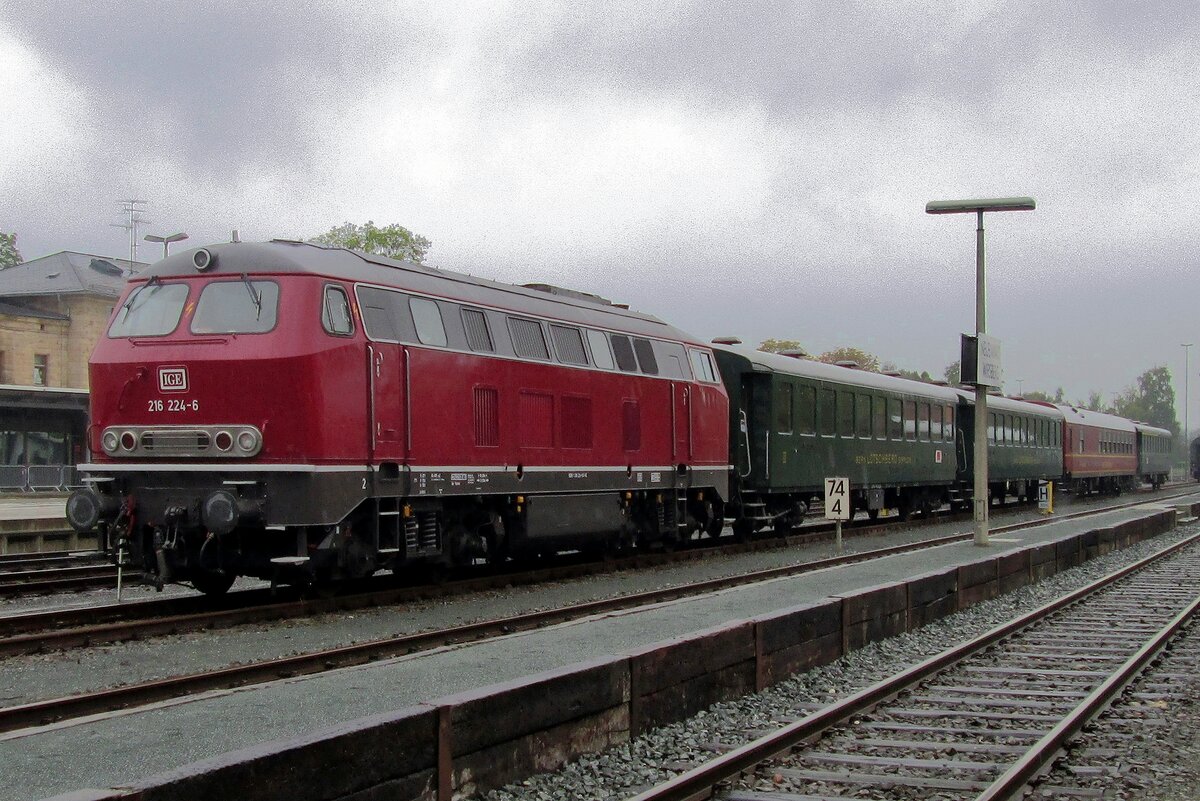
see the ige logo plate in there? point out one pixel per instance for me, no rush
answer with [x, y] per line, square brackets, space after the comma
[172, 379]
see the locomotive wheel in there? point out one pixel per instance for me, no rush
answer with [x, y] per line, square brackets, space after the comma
[213, 582]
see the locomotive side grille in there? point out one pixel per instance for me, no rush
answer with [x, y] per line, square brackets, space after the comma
[487, 417]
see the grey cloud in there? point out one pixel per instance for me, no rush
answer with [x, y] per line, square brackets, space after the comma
[217, 87]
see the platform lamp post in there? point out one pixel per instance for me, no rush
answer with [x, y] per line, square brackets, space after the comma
[166, 240]
[1186, 352]
[979, 206]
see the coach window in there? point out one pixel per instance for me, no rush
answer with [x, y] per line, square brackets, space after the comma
[846, 414]
[645, 356]
[428, 319]
[335, 313]
[783, 409]
[808, 410]
[991, 429]
[828, 412]
[479, 338]
[862, 415]
[601, 355]
[923, 422]
[568, 343]
[948, 427]
[624, 353]
[910, 420]
[529, 341]
[880, 405]
[895, 420]
[937, 422]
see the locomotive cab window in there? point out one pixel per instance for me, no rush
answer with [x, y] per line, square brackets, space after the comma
[702, 366]
[428, 319]
[624, 353]
[601, 355]
[335, 312]
[152, 310]
[236, 307]
[645, 356]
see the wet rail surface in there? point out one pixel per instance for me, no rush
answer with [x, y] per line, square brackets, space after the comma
[979, 721]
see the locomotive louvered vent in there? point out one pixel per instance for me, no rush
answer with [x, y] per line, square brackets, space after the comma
[528, 339]
[487, 417]
[478, 337]
[176, 443]
[569, 344]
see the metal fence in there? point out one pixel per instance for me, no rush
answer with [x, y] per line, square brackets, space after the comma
[38, 477]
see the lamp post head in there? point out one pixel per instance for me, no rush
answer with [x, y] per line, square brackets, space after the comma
[980, 204]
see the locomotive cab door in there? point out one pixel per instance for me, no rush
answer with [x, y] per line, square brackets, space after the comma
[681, 421]
[389, 401]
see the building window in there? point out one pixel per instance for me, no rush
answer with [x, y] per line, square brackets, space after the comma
[41, 369]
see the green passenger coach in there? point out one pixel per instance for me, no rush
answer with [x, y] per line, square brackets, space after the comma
[1024, 445]
[795, 422]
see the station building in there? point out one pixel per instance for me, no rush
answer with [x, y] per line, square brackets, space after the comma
[52, 311]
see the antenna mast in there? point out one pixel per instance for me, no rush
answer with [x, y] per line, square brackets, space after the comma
[133, 223]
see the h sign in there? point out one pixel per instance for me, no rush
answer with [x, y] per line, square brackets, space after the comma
[837, 499]
[172, 379]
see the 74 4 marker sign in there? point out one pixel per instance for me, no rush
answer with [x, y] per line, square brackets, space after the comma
[837, 499]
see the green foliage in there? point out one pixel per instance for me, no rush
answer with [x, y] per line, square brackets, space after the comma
[779, 345]
[865, 360]
[1151, 401]
[1038, 395]
[953, 373]
[393, 241]
[9, 255]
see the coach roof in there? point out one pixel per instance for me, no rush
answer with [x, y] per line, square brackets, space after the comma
[806, 368]
[287, 257]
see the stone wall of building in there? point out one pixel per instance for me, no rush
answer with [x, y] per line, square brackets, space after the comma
[65, 344]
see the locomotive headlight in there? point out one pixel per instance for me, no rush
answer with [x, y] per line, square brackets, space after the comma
[223, 440]
[109, 441]
[128, 441]
[247, 441]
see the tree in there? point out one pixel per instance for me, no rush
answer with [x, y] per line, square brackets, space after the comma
[393, 241]
[848, 354]
[9, 255]
[1151, 401]
[779, 345]
[953, 373]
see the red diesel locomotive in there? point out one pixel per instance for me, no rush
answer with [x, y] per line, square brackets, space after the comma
[302, 413]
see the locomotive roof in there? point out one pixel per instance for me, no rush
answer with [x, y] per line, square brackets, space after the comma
[286, 257]
[1086, 417]
[775, 363]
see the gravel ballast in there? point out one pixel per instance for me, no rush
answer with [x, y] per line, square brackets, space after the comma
[657, 756]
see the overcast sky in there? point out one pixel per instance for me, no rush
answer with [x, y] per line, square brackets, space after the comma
[757, 169]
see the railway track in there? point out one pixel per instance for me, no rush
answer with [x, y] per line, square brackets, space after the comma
[45, 580]
[981, 720]
[140, 693]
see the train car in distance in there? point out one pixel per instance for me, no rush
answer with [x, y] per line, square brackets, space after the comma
[1154, 454]
[1099, 451]
[302, 413]
[794, 422]
[1024, 445]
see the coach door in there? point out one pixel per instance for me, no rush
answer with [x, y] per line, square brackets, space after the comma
[389, 432]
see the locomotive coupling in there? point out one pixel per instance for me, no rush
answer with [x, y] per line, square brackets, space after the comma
[86, 508]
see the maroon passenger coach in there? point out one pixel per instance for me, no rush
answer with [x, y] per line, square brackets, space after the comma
[302, 413]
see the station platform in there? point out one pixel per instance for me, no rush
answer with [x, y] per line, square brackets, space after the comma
[151, 747]
[34, 522]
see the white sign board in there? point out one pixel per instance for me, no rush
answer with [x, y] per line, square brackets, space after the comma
[991, 374]
[837, 499]
[1043, 494]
